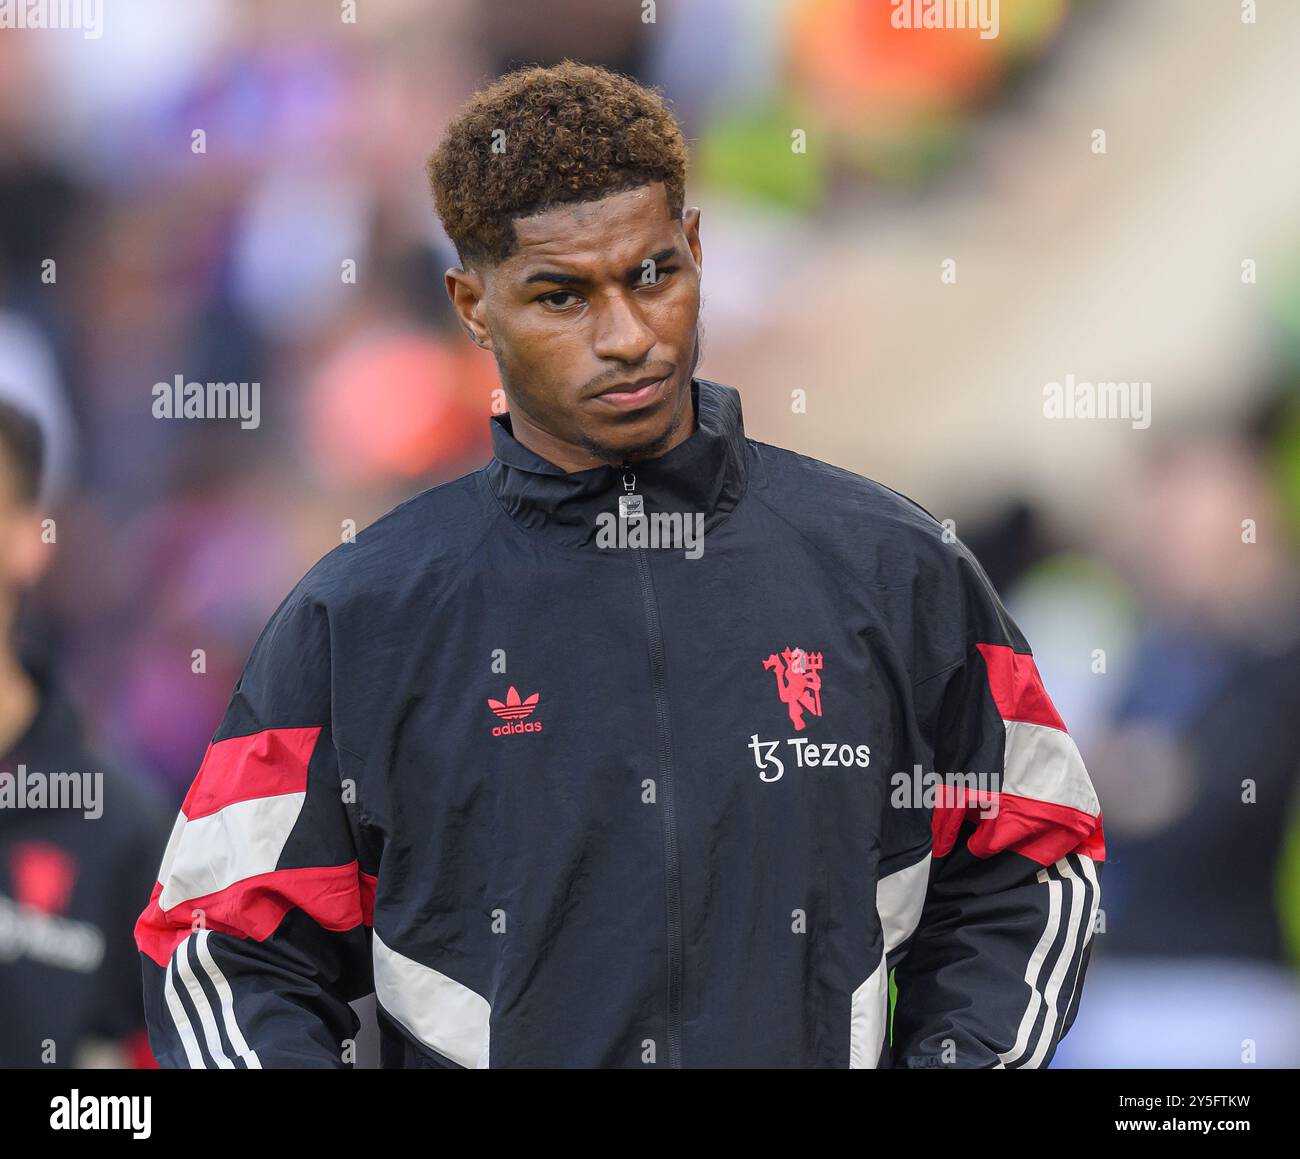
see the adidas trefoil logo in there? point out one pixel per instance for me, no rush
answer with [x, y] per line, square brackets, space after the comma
[514, 711]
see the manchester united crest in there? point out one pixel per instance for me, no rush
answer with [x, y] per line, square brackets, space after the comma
[798, 682]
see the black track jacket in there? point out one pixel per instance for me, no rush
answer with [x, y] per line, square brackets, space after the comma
[560, 801]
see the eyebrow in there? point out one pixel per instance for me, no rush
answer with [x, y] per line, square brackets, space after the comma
[562, 279]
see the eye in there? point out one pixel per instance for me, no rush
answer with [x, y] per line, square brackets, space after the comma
[549, 299]
[659, 280]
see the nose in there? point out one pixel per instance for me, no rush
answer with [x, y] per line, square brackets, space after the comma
[621, 333]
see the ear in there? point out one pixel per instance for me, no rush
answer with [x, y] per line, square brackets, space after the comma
[465, 288]
[25, 557]
[691, 228]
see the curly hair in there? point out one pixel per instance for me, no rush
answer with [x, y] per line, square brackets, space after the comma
[540, 137]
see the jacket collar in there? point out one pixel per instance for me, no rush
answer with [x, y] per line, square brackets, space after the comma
[705, 473]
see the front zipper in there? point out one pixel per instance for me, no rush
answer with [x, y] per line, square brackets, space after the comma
[664, 760]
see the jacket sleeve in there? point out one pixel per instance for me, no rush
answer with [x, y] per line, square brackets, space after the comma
[990, 953]
[256, 937]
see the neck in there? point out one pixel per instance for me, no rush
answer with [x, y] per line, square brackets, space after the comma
[706, 473]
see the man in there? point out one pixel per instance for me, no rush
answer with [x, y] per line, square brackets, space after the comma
[564, 798]
[77, 839]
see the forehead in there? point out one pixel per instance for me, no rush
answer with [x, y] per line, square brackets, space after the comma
[592, 236]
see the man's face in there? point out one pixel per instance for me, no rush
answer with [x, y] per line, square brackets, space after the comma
[593, 321]
[23, 555]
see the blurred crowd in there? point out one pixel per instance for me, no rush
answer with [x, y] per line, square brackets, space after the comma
[233, 191]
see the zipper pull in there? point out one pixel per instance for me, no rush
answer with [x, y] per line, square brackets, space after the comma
[630, 505]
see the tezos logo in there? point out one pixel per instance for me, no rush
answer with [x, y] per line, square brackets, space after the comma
[807, 754]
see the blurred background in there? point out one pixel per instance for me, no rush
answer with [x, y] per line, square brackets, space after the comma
[956, 236]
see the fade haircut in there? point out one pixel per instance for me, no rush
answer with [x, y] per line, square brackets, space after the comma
[541, 137]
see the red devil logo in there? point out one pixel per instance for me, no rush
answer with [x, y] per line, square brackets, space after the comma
[798, 682]
[43, 875]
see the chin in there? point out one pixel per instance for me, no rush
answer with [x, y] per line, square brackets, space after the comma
[628, 442]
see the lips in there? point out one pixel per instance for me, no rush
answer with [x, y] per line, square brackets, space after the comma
[634, 394]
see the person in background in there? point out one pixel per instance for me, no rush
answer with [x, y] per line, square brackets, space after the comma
[78, 840]
[1200, 774]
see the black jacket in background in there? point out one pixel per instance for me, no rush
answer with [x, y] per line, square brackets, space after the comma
[69, 888]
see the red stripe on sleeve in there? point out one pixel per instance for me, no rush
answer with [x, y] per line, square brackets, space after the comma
[1039, 830]
[336, 897]
[1017, 687]
[243, 768]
